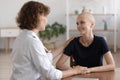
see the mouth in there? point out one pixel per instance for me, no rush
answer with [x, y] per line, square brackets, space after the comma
[81, 29]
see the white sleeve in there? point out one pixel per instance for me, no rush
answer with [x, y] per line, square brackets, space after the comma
[42, 62]
[50, 56]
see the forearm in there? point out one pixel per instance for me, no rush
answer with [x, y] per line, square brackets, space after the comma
[102, 68]
[73, 71]
[63, 67]
[108, 67]
[58, 50]
[68, 73]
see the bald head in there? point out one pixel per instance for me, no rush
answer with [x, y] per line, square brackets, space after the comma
[87, 16]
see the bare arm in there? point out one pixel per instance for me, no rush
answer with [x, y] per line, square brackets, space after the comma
[58, 50]
[73, 71]
[109, 66]
[67, 70]
[61, 63]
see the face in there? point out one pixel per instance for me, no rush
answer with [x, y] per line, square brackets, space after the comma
[42, 23]
[83, 25]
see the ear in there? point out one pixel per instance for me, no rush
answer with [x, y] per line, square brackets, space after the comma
[92, 25]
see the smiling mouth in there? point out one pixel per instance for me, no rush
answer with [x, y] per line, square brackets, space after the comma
[81, 29]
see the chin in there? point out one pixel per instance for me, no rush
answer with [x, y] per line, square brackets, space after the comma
[42, 29]
[82, 33]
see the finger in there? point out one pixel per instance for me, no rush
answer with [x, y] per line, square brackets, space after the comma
[72, 38]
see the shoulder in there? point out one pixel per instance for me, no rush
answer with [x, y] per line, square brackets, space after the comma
[34, 41]
[74, 41]
[99, 38]
[36, 46]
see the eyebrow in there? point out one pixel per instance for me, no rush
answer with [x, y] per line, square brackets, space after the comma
[80, 22]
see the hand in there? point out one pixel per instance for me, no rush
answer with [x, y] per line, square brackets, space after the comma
[80, 69]
[68, 41]
[88, 70]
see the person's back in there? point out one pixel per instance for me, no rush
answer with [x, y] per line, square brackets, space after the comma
[21, 57]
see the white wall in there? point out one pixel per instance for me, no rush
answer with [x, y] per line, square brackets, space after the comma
[96, 6]
[9, 12]
[103, 7]
[58, 10]
[10, 9]
[117, 10]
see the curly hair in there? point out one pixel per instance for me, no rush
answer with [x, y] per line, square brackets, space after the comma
[28, 17]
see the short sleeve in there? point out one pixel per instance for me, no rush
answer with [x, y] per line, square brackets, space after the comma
[105, 47]
[69, 49]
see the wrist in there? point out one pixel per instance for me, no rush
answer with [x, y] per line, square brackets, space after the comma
[90, 70]
[75, 71]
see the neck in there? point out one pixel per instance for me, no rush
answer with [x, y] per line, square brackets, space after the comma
[35, 31]
[87, 39]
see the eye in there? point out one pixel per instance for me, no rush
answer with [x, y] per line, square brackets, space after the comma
[77, 23]
[82, 22]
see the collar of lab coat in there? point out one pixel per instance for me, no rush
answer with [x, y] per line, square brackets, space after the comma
[30, 32]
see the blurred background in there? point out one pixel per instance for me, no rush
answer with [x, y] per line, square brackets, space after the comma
[63, 14]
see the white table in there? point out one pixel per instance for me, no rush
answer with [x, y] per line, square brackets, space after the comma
[8, 33]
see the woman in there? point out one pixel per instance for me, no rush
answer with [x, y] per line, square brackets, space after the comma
[88, 49]
[30, 61]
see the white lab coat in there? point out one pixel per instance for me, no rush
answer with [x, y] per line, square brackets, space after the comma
[30, 61]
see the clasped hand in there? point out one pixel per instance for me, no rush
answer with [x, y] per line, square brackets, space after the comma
[81, 70]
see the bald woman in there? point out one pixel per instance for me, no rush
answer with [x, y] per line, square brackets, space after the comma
[87, 49]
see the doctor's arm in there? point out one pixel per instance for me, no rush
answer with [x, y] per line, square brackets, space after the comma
[43, 65]
[59, 49]
[61, 63]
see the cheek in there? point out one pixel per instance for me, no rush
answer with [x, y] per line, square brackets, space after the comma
[44, 22]
[41, 26]
[89, 26]
[81, 27]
